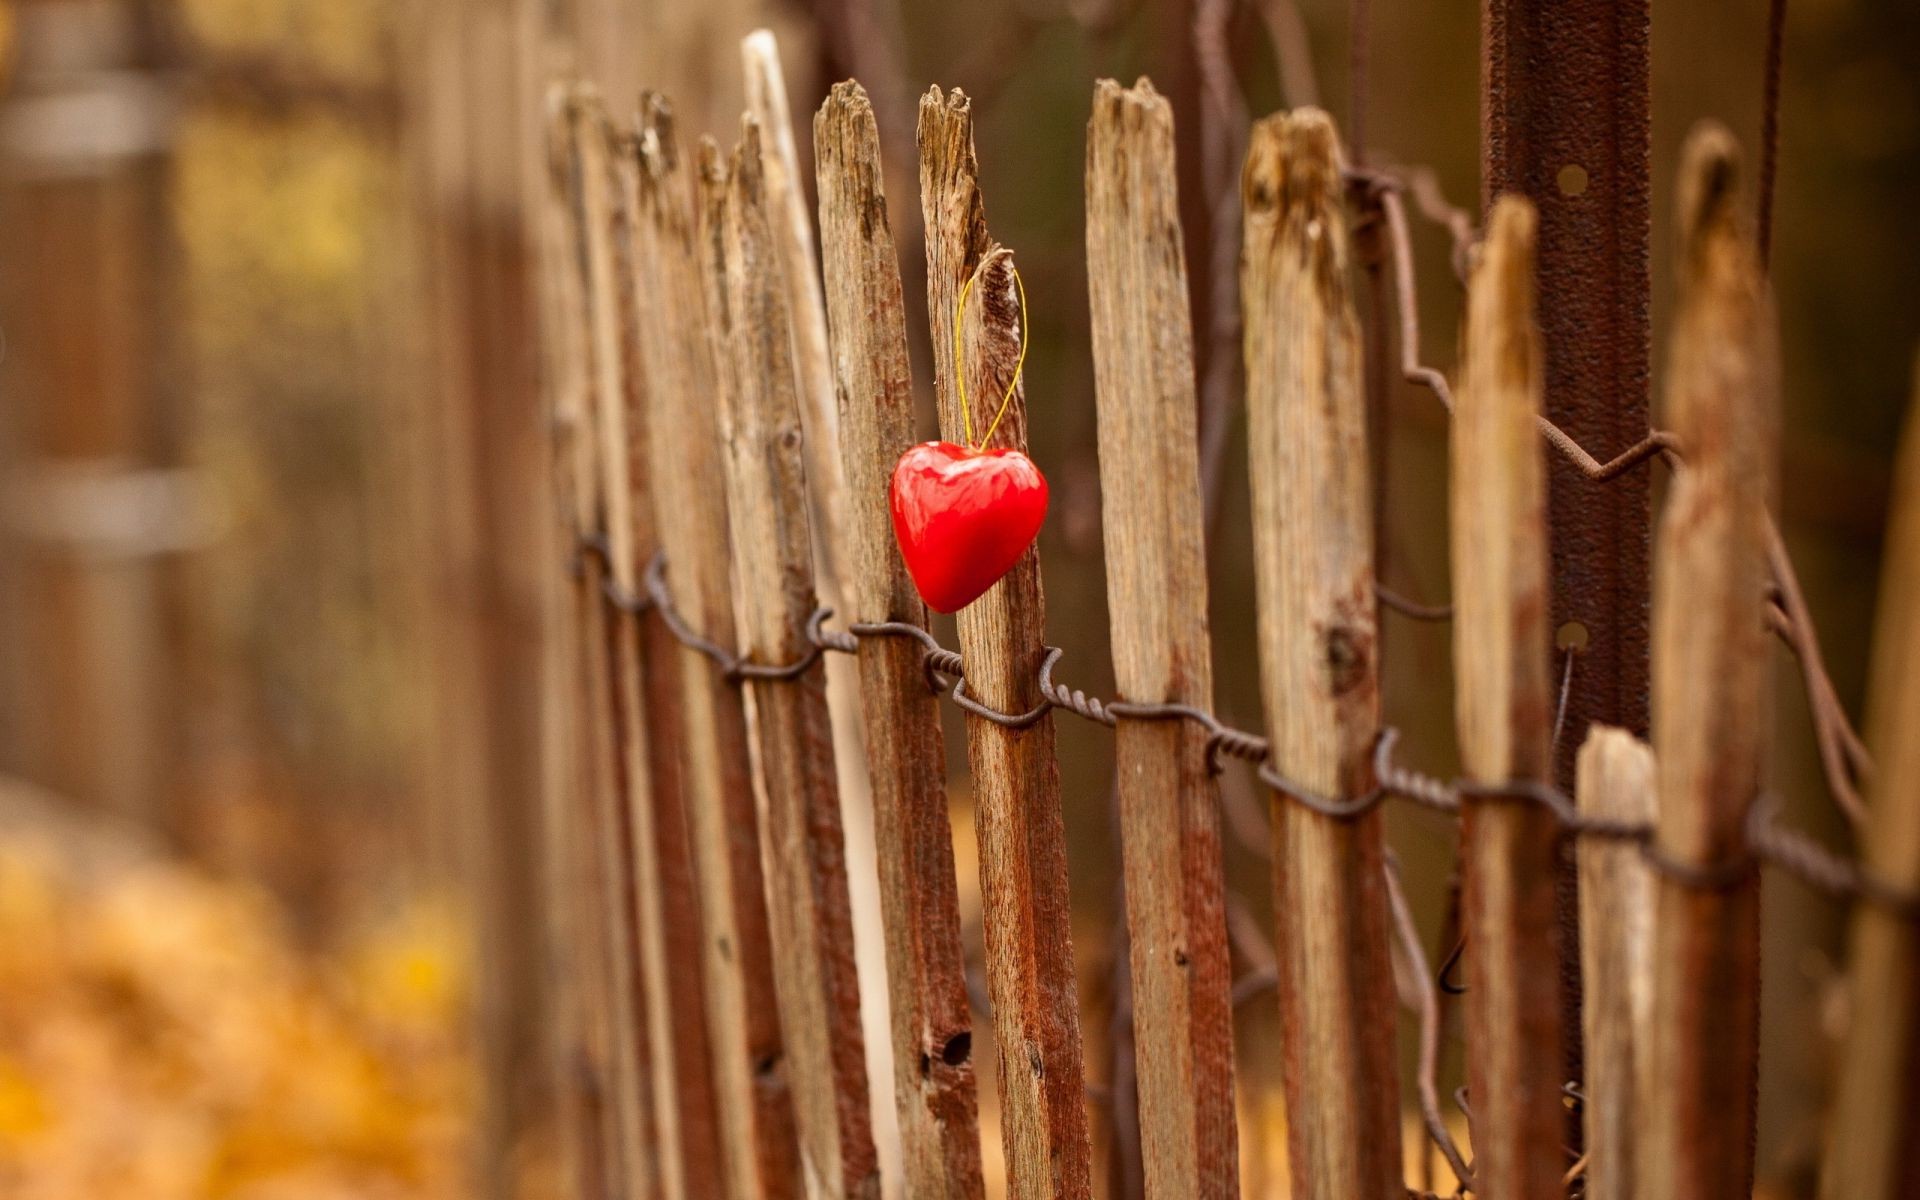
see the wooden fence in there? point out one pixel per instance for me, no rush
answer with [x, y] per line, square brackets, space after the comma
[728, 407]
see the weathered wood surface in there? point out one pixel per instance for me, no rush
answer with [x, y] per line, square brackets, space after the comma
[1876, 1116]
[1313, 557]
[1023, 867]
[677, 257]
[604, 513]
[1710, 697]
[1615, 782]
[1504, 712]
[933, 1071]
[670, 952]
[800, 271]
[790, 737]
[1157, 595]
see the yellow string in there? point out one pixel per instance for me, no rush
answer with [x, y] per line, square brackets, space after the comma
[960, 367]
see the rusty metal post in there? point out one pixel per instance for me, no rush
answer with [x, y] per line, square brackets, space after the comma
[1564, 121]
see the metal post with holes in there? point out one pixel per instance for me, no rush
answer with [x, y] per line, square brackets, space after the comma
[1564, 120]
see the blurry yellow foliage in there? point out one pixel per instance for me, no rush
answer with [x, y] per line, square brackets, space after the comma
[161, 1037]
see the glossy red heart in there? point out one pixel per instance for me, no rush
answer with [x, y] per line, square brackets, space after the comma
[964, 517]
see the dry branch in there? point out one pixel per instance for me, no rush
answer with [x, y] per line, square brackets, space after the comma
[933, 1071]
[1876, 1118]
[1503, 708]
[1313, 538]
[1157, 593]
[791, 739]
[1710, 673]
[1615, 783]
[1023, 865]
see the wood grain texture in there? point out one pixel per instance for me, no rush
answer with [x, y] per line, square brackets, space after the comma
[1503, 709]
[933, 1073]
[1615, 782]
[676, 1013]
[1023, 862]
[1157, 595]
[682, 264]
[616, 789]
[1876, 1116]
[800, 272]
[1313, 557]
[790, 737]
[1710, 683]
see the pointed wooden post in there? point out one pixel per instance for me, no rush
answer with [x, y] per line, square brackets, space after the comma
[1503, 708]
[1710, 709]
[790, 737]
[1023, 860]
[1876, 1116]
[1313, 555]
[606, 502]
[1615, 783]
[668, 907]
[681, 260]
[933, 1073]
[1157, 595]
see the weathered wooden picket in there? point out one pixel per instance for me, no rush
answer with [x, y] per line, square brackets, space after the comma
[728, 407]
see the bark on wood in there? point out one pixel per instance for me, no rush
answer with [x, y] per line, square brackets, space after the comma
[753, 1102]
[1615, 783]
[1313, 539]
[1157, 595]
[1710, 673]
[790, 736]
[1876, 1118]
[933, 1073]
[1503, 710]
[615, 788]
[1023, 869]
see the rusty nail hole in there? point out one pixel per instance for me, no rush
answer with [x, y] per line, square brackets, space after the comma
[1572, 179]
[1571, 636]
[1179, 958]
[726, 949]
[766, 1066]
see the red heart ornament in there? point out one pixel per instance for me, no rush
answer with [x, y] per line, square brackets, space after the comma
[964, 517]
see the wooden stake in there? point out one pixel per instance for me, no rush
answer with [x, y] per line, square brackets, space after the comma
[1504, 713]
[676, 1012]
[617, 790]
[1157, 594]
[1710, 710]
[1023, 861]
[1313, 556]
[790, 736]
[685, 267]
[933, 1072]
[1615, 783]
[1876, 1117]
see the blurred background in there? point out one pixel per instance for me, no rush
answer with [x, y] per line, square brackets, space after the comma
[275, 533]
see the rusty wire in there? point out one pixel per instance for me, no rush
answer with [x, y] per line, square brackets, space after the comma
[1767, 843]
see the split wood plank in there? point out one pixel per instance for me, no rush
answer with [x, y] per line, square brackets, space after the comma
[1319, 658]
[577, 970]
[1023, 861]
[933, 1072]
[790, 736]
[1710, 694]
[1615, 782]
[681, 260]
[1503, 710]
[687, 1131]
[1876, 1117]
[1157, 595]
[800, 271]
[605, 514]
